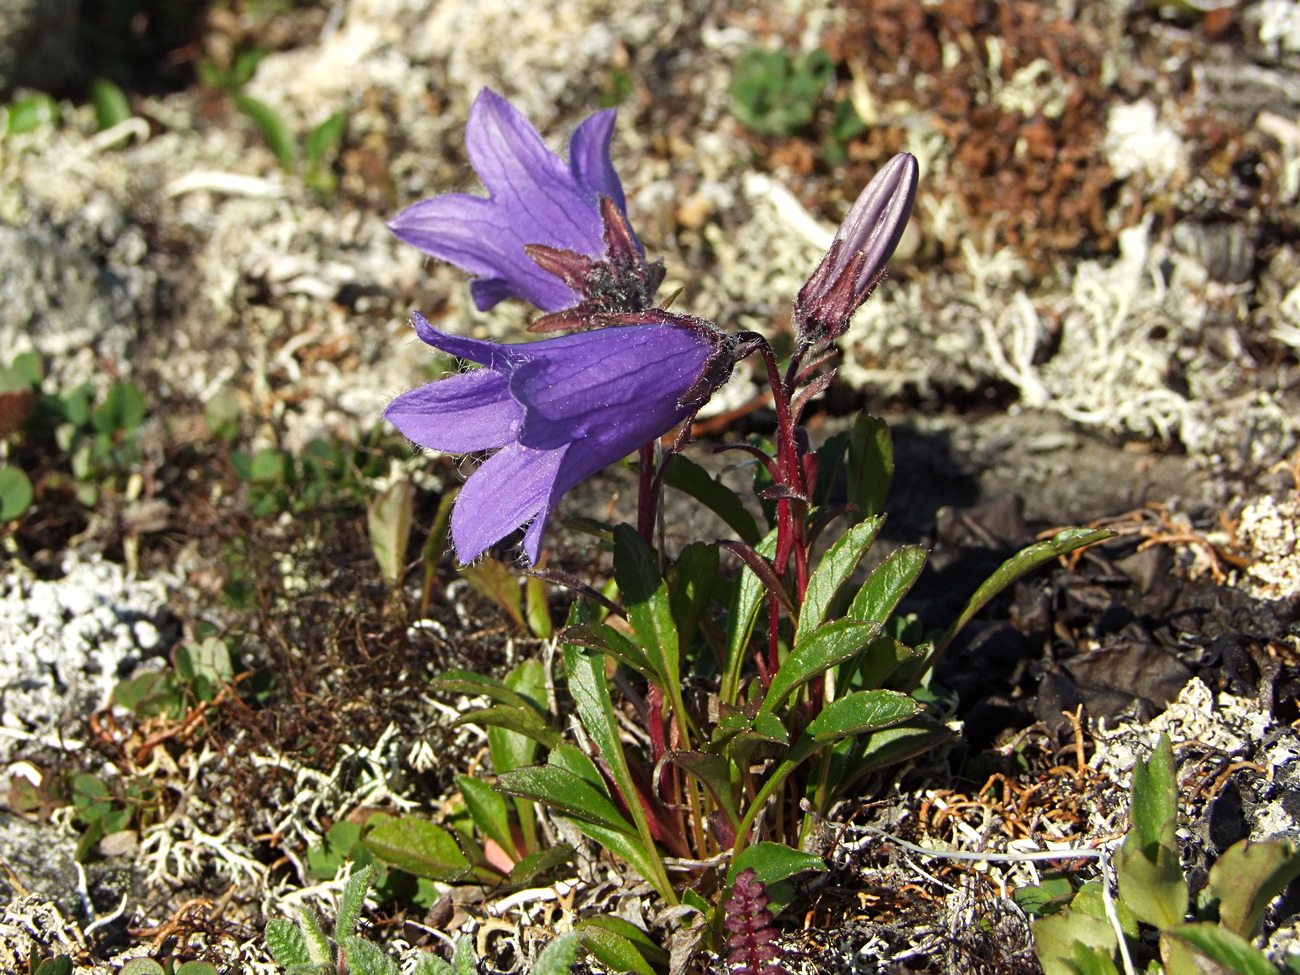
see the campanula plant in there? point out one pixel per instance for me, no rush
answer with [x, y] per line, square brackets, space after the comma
[763, 700]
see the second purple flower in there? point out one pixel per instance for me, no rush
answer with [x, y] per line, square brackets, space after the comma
[556, 412]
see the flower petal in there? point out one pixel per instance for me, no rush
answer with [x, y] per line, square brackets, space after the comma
[472, 411]
[510, 488]
[630, 377]
[534, 197]
[589, 157]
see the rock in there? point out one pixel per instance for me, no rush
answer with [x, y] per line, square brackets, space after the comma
[65, 643]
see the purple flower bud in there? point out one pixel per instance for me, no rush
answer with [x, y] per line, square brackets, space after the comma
[856, 260]
[534, 198]
[557, 411]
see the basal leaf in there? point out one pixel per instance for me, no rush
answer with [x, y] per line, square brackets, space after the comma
[828, 645]
[647, 946]
[649, 610]
[691, 581]
[521, 720]
[888, 583]
[273, 128]
[870, 465]
[614, 951]
[557, 958]
[685, 475]
[772, 862]
[1013, 568]
[488, 809]
[419, 847]
[832, 572]
[1247, 877]
[715, 774]
[491, 578]
[567, 792]
[750, 593]
[1226, 948]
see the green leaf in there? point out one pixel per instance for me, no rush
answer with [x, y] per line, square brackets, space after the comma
[111, 106]
[649, 949]
[469, 683]
[567, 792]
[1093, 961]
[1013, 568]
[1228, 949]
[487, 808]
[714, 772]
[323, 138]
[141, 966]
[772, 862]
[522, 721]
[122, 410]
[351, 902]
[603, 637]
[314, 937]
[537, 608]
[536, 864]
[31, 112]
[419, 847]
[1246, 878]
[612, 950]
[870, 466]
[389, 520]
[691, 581]
[1055, 939]
[832, 572]
[430, 964]
[648, 607]
[463, 961]
[16, 494]
[273, 129]
[1154, 807]
[1147, 864]
[750, 593]
[859, 713]
[558, 957]
[58, 965]
[888, 583]
[585, 670]
[688, 476]
[196, 968]
[822, 649]
[364, 958]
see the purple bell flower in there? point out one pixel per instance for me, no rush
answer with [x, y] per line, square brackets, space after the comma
[557, 411]
[534, 199]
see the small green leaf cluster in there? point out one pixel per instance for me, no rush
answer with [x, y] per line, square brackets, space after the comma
[28, 112]
[773, 93]
[489, 837]
[198, 673]
[58, 965]
[304, 948]
[327, 472]
[344, 842]
[105, 809]
[313, 158]
[803, 706]
[98, 437]
[147, 966]
[1077, 934]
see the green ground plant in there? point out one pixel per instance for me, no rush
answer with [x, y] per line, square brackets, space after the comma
[1152, 924]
